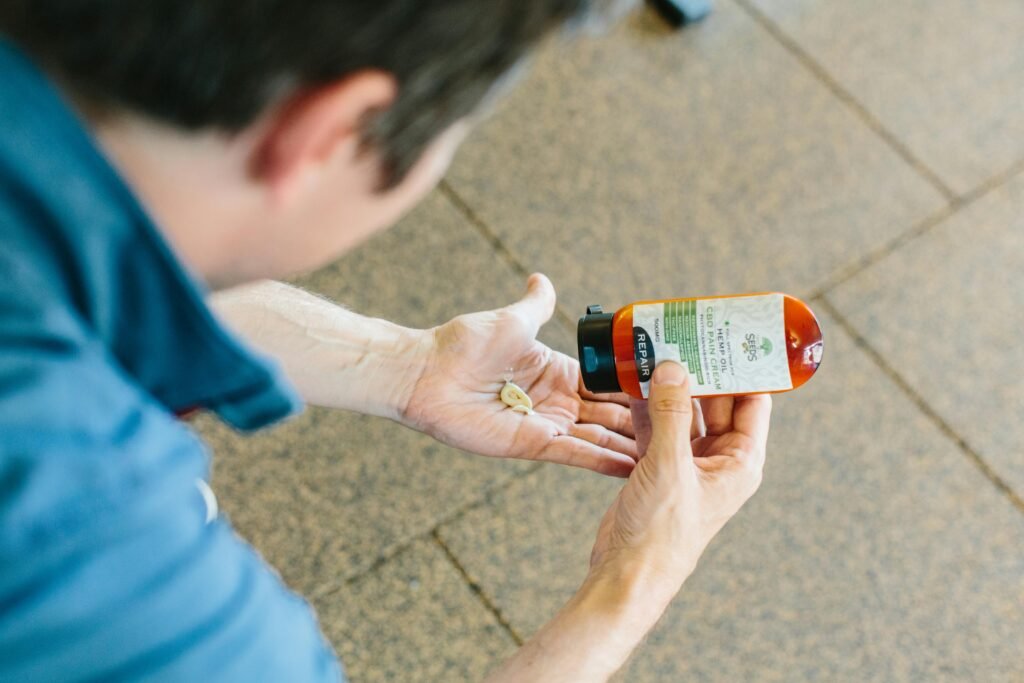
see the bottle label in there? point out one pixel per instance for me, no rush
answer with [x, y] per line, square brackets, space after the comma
[733, 345]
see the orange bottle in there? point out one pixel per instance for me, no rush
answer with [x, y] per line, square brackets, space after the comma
[731, 345]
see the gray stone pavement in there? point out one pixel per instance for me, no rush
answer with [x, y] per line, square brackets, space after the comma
[868, 156]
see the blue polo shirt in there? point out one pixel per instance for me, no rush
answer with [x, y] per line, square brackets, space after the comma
[109, 570]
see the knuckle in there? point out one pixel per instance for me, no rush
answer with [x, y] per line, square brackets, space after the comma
[753, 472]
[747, 469]
[673, 404]
[519, 322]
[756, 477]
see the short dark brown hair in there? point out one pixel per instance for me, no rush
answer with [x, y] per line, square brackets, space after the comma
[221, 63]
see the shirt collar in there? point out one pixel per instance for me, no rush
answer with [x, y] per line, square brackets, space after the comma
[105, 258]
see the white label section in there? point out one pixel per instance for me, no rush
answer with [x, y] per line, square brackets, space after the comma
[734, 345]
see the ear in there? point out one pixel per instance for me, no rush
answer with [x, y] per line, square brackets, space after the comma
[314, 127]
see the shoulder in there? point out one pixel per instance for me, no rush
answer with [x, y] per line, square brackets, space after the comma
[79, 440]
[105, 552]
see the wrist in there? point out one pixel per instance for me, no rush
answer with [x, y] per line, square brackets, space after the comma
[374, 375]
[401, 369]
[634, 588]
[595, 632]
[336, 358]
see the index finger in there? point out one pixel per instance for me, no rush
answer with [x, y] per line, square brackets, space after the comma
[620, 398]
[641, 424]
[751, 416]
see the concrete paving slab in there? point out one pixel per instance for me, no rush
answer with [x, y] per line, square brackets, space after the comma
[326, 495]
[413, 619]
[946, 77]
[946, 313]
[646, 164]
[874, 551]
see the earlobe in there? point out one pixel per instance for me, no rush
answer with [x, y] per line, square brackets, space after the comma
[317, 128]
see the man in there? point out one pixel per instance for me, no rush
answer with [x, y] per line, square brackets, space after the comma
[176, 147]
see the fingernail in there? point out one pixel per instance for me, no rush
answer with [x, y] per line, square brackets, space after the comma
[670, 373]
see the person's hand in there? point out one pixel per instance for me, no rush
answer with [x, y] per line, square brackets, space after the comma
[455, 399]
[701, 461]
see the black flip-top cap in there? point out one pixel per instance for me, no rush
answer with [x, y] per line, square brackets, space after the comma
[597, 355]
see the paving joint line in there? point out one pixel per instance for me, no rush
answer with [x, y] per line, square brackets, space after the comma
[485, 230]
[854, 269]
[990, 185]
[931, 413]
[463, 207]
[400, 547]
[478, 591]
[921, 229]
[845, 96]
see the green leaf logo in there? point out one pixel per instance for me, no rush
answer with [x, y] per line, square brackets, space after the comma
[756, 347]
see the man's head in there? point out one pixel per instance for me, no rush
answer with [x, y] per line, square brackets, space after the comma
[268, 136]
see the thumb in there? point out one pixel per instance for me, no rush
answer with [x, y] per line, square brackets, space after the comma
[537, 306]
[670, 408]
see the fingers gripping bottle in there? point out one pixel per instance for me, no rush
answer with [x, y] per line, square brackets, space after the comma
[731, 345]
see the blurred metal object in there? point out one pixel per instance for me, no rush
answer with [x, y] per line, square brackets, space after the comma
[681, 12]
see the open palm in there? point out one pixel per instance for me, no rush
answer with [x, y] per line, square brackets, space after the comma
[456, 398]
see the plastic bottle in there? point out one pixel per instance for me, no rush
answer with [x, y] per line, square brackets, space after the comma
[731, 345]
